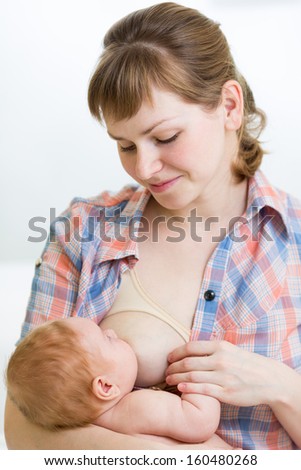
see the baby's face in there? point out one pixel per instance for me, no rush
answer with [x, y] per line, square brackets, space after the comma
[111, 355]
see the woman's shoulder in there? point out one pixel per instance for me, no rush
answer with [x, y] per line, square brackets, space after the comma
[108, 198]
[107, 202]
[84, 217]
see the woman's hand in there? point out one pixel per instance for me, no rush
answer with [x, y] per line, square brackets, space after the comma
[226, 372]
[238, 377]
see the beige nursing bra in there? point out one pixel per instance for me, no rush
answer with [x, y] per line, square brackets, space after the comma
[132, 297]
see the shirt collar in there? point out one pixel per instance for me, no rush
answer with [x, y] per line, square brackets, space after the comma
[121, 226]
[261, 194]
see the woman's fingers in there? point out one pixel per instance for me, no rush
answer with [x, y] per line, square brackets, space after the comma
[191, 363]
[193, 348]
[212, 390]
[223, 371]
[194, 377]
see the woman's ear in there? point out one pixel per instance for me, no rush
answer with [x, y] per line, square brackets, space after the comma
[233, 103]
[104, 389]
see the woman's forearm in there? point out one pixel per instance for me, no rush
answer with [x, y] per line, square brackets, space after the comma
[286, 404]
[21, 434]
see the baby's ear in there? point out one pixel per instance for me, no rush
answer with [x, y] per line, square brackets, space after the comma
[104, 389]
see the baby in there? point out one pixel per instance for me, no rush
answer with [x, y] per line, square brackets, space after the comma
[70, 372]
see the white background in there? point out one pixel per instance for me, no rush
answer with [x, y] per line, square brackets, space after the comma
[52, 150]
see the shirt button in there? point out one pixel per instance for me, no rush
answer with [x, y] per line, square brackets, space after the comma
[209, 295]
[38, 262]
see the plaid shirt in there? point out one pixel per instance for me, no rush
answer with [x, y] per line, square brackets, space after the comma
[255, 272]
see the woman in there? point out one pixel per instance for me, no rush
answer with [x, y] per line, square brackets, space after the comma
[187, 130]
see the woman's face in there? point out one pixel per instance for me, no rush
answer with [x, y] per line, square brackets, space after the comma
[177, 150]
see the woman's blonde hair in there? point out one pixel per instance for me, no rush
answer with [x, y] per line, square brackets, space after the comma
[182, 51]
[49, 378]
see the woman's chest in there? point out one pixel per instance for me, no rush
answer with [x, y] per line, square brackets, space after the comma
[155, 307]
[172, 274]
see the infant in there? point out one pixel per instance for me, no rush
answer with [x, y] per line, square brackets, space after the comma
[70, 372]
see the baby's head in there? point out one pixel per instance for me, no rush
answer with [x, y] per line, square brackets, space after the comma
[67, 372]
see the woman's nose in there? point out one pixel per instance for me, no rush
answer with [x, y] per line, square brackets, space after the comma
[148, 163]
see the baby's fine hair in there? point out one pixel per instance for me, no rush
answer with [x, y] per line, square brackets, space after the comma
[50, 380]
[180, 50]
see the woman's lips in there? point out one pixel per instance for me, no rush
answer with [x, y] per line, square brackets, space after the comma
[159, 188]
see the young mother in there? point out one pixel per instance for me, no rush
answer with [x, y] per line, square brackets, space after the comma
[218, 248]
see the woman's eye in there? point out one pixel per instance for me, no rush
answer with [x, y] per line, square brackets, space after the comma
[131, 148]
[167, 141]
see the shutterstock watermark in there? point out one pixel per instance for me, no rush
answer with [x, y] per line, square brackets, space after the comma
[109, 226]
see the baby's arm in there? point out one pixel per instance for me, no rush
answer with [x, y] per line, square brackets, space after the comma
[189, 418]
